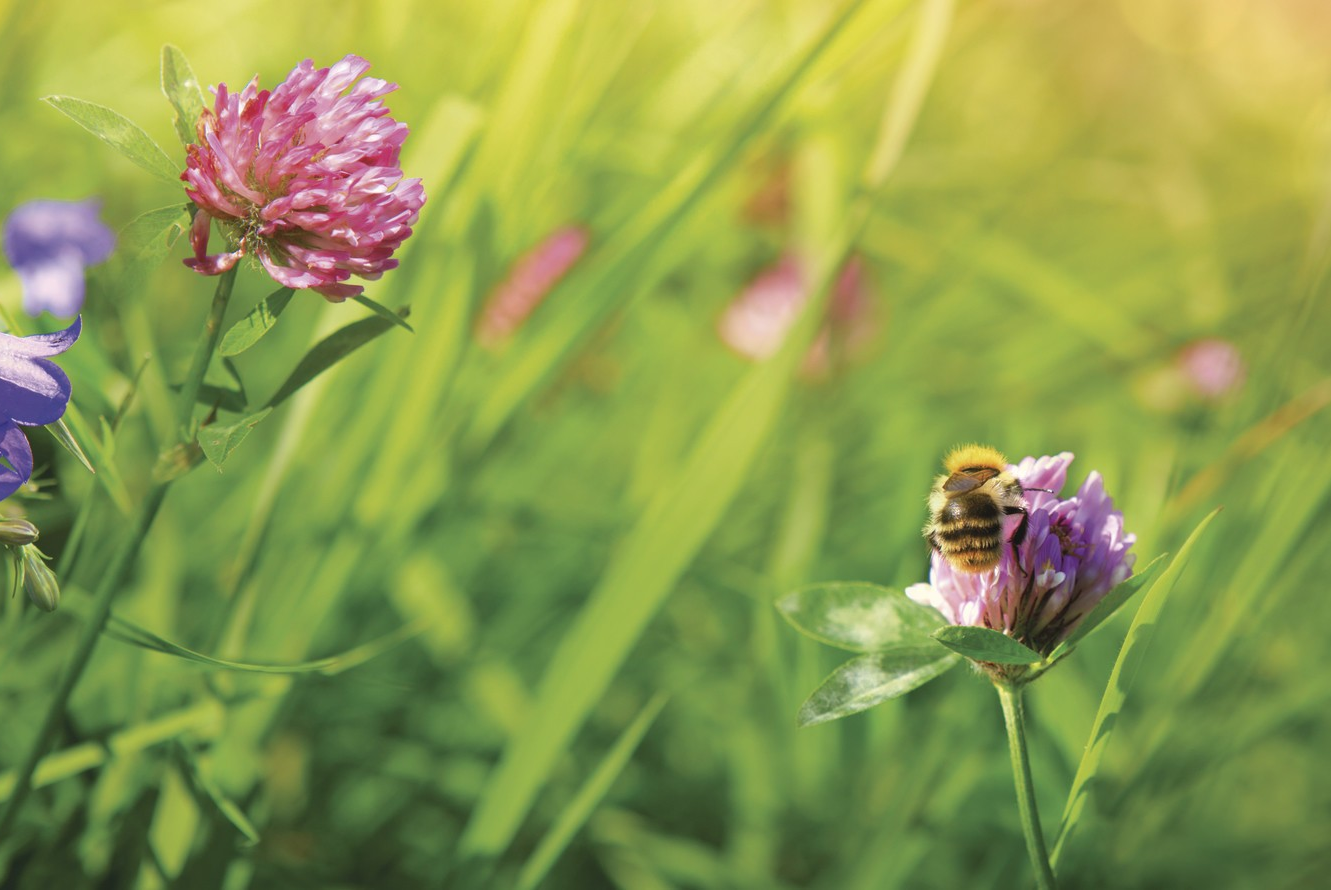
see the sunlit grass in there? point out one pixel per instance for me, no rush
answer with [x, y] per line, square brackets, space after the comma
[598, 516]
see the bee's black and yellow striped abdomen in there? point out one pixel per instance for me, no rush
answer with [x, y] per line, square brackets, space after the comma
[969, 532]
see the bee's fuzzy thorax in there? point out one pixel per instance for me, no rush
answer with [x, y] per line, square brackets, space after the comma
[974, 456]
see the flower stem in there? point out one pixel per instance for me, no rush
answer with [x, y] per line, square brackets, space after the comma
[1014, 716]
[120, 565]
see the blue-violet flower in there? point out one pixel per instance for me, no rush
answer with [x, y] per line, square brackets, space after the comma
[49, 243]
[33, 392]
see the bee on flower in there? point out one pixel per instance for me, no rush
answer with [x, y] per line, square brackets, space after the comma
[1071, 553]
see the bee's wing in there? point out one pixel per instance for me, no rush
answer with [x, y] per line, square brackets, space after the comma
[964, 481]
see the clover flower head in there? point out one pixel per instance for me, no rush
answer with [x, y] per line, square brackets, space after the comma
[33, 392]
[757, 322]
[49, 243]
[304, 177]
[528, 282]
[1075, 552]
[1212, 367]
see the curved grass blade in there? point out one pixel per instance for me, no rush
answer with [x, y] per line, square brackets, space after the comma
[328, 352]
[120, 133]
[131, 633]
[1120, 678]
[206, 791]
[575, 814]
[384, 312]
[1105, 609]
[181, 89]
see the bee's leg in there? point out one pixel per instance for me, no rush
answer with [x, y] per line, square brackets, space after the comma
[932, 538]
[1018, 533]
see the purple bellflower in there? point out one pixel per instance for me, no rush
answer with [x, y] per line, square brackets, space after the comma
[1074, 553]
[49, 243]
[33, 392]
[304, 177]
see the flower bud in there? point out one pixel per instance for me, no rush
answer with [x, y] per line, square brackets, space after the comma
[17, 532]
[39, 581]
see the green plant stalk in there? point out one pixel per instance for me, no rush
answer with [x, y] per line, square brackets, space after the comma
[120, 563]
[1014, 716]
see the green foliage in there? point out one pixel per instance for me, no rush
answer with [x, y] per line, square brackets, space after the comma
[120, 133]
[182, 90]
[1105, 609]
[872, 679]
[859, 616]
[983, 644]
[328, 352]
[1129, 660]
[257, 322]
[218, 442]
[545, 539]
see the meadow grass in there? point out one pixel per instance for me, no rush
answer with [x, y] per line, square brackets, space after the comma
[563, 554]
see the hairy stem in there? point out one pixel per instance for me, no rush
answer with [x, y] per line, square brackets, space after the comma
[120, 565]
[1014, 716]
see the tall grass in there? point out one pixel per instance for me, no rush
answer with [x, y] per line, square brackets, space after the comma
[588, 527]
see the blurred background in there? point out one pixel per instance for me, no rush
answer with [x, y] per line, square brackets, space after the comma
[609, 446]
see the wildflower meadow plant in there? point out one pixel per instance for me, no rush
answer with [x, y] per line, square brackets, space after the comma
[306, 179]
[33, 392]
[756, 323]
[528, 283]
[1071, 570]
[49, 244]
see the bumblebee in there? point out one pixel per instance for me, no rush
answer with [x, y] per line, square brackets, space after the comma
[968, 506]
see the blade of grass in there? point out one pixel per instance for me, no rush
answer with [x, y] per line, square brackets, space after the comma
[1116, 691]
[134, 635]
[579, 809]
[205, 717]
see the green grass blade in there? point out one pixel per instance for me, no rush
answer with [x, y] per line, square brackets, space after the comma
[207, 792]
[204, 718]
[328, 352]
[579, 809]
[384, 312]
[642, 574]
[128, 632]
[1120, 679]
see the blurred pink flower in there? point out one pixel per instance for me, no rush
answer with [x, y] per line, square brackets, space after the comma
[528, 282]
[757, 322]
[304, 177]
[1212, 367]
